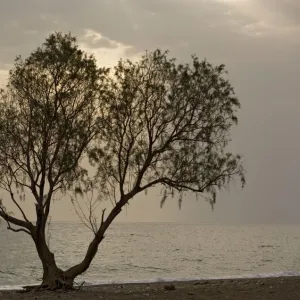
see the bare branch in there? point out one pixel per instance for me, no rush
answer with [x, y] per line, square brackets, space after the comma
[18, 206]
[15, 221]
[17, 230]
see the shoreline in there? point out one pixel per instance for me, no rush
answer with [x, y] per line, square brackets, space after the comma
[276, 288]
[166, 280]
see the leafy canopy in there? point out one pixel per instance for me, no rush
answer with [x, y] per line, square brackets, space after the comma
[49, 113]
[167, 124]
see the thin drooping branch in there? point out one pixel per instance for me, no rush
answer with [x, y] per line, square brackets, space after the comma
[86, 220]
[18, 206]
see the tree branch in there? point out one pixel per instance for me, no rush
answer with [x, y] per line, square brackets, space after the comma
[17, 230]
[18, 206]
[15, 221]
[102, 217]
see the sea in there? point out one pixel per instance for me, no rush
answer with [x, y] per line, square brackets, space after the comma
[149, 252]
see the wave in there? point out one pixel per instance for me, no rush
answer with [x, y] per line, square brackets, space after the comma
[130, 265]
[7, 272]
[268, 246]
[158, 279]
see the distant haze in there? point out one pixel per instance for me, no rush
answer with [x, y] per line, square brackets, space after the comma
[257, 40]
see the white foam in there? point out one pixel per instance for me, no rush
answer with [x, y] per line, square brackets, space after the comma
[155, 280]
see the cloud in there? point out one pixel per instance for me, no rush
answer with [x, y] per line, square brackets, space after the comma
[183, 26]
[107, 52]
[265, 17]
[96, 40]
[258, 40]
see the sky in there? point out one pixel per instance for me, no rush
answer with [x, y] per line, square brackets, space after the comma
[257, 40]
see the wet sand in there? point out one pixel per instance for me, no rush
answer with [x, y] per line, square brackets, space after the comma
[285, 288]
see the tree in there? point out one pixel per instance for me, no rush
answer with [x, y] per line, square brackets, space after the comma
[144, 124]
[167, 125]
[49, 114]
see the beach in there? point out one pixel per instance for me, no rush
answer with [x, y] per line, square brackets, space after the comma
[236, 289]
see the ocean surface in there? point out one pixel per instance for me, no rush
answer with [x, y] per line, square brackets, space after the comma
[145, 252]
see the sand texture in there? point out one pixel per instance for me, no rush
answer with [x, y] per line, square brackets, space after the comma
[285, 288]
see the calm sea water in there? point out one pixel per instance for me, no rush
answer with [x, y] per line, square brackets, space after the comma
[150, 251]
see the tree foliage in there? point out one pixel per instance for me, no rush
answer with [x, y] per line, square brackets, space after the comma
[168, 125]
[48, 118]
[144, 124]
[49, 114]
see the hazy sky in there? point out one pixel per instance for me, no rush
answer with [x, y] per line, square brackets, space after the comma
[258, 40]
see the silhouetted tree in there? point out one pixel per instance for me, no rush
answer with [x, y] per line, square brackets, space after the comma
[144, 124]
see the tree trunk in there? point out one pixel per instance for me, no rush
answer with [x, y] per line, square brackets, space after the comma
[80, 268]
[53, 277]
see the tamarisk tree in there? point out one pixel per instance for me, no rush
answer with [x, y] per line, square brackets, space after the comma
[152, 123]
[49, 114]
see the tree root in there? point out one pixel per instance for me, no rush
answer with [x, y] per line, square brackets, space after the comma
[57, 284]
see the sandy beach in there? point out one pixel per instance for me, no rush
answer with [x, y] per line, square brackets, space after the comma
[236, 289]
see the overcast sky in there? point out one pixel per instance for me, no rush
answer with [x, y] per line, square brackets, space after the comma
[257, 40]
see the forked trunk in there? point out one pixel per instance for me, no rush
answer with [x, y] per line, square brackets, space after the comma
[55, 278]
[52, 277]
